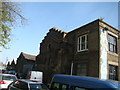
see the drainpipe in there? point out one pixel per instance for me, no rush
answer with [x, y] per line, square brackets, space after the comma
[71, 72]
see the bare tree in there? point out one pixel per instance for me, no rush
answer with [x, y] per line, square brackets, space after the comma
[10, 16]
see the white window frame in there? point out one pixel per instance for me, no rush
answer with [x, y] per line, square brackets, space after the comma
[111, 44]
[79, 43]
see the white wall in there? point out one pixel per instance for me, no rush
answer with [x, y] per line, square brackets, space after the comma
[103, 54]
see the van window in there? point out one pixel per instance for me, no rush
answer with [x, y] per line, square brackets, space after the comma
[59, 86]
[78, 88]
[64, 87]
[55, 86]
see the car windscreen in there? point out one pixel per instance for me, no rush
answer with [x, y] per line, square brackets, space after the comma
[38, 87]
[8, 78]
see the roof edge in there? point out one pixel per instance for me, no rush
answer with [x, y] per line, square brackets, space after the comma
[109, 25]
[99, 20]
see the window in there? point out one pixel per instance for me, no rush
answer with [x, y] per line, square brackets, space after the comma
[16, 84]
[82, 69]
[8, 77]
[20, 85]
[78, 88]
[37, 86]
[49, 47]
[82, 43]
[112, 43]
[64, 87]
[24, 86]
[59, 86]
[55, 86]
[113, 72]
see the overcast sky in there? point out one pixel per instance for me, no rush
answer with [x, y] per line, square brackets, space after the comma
[65, 16]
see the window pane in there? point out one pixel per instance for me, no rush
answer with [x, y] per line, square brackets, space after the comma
[82, 39]
[55, 86]
[78, 88]
[114, 47]
[82, 46]
[64, 87]
[82, 43]
[111, 47]
[112, 43]
[113, 72]
[9, 78]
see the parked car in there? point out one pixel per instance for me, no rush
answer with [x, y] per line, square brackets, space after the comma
[4, 71]
[8, 72]
[69, 82]
[23, 84]
[12, 72]
[6, 79]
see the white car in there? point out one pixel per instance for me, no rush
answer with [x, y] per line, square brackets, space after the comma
[6, 79]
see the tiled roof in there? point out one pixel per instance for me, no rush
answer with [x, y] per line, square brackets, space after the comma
[29, 57]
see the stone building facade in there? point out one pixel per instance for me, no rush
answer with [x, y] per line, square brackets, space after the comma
[12, 66]
[25, 63]
[91, 50]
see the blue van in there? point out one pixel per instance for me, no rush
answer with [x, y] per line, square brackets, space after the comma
[69, 82]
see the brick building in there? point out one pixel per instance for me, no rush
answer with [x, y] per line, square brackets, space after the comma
[25, 63]
[12, 66]
[91, 50]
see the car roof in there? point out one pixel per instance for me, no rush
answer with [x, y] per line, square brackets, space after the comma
[29, 81]
[85, 81]
[6, 74]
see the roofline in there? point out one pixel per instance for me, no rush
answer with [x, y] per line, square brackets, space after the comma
[109, 25]
[56, 29]
[27, 54]
[99, 20]
[83, 26]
